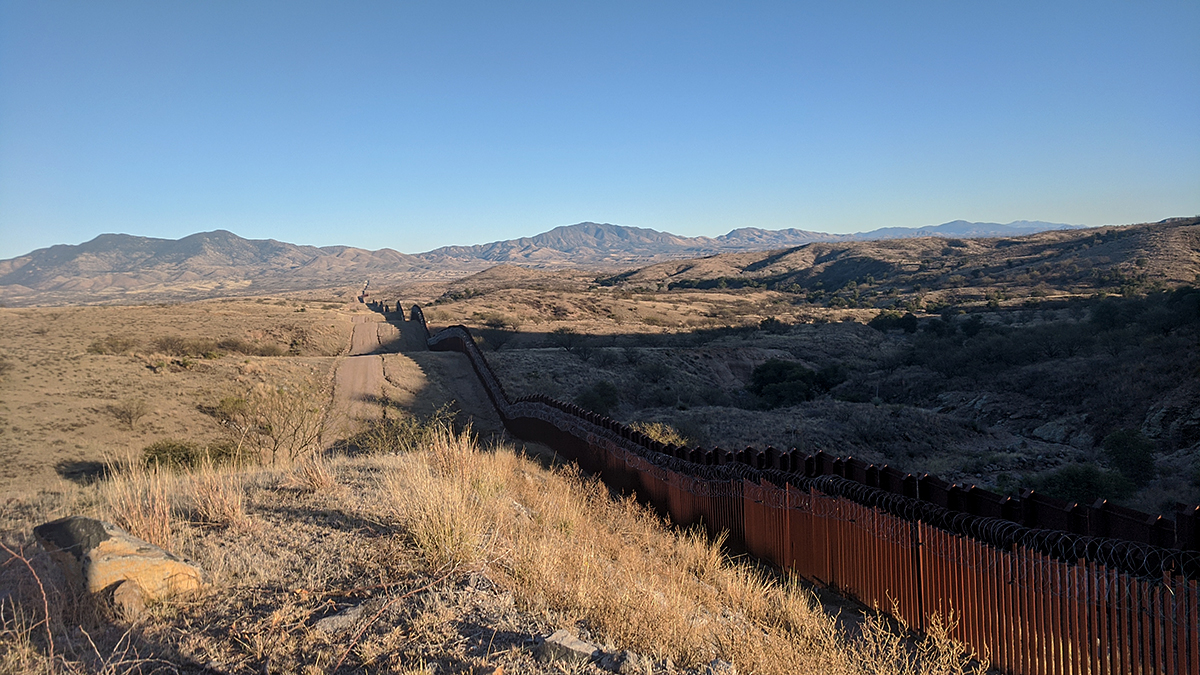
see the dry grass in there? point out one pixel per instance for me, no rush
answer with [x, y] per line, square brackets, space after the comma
[570, 553]
[530, 549]
[217, 497]
[141, 500]
[313, 474]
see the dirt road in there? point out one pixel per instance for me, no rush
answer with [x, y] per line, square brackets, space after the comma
[390, 368]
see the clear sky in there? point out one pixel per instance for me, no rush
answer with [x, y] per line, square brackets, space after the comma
[415, 125]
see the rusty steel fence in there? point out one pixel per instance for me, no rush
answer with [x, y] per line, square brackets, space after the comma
[1034, 600]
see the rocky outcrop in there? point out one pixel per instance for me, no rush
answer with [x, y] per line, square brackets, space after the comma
[562, 646]
[99, 557]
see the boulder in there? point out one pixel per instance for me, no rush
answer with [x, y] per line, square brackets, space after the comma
[345, 619]
[624, 662]
[96, 556]
[562, 646]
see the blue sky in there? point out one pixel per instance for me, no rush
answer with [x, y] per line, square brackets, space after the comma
[416, 125]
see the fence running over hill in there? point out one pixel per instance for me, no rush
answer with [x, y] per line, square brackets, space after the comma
[1040, 586]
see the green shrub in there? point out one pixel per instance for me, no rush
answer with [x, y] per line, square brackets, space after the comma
[778, 383]
[600, 398]
[890, 319]
[1131, 453]
[176, 454]
[1084, 483]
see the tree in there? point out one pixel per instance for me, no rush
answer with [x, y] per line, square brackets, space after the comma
[778, 383]
[278, 423]
[1131, 453]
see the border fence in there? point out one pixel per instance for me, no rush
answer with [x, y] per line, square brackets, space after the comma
[1042, 587]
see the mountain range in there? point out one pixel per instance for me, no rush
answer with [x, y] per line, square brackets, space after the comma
[127, 268]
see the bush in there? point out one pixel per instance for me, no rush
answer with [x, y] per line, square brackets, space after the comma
[889, 319]
[130, 411]
[1131, 453]
[600, 398]
[394, 435]
[175, 345]
[175, 454]
[277, 423]
[773, 325]
[1084, 483]
[113, 344]
[778, 383]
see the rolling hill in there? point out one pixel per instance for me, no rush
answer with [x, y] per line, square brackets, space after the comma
[126, 268]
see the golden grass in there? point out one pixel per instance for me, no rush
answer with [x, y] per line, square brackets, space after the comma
[141, 500]
[313, 474]
[217, 497]
[286, 546]
[571, 553]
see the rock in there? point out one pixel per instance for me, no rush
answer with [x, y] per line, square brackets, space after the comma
[562, 646]
[1053, 432]
[719, 667]
[341, 621]
[623, 662]
[96, 556]
[129, 601]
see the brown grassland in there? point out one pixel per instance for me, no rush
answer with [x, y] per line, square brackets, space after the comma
[1063, 361]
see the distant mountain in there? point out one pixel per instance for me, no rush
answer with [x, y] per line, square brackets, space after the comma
[124, 268]
[600, 243]
[965, 230]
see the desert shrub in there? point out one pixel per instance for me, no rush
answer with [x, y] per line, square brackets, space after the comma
[604, 358]
[778, 383]
[236, 345]
[773, 325]
[392, 435]
[112, 344]
[130, 411]
[240, 346]
[176, 454]
[271, 350]
[496, 320]
[175, 345]
[274, 424]
[1084, 483]
[600, 398]
[1131, 453]
[172, 454]
[889, 319]
[653, 372]
[566, 338]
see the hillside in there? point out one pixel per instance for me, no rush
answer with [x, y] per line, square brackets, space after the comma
[949, 271]
[124, 268]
